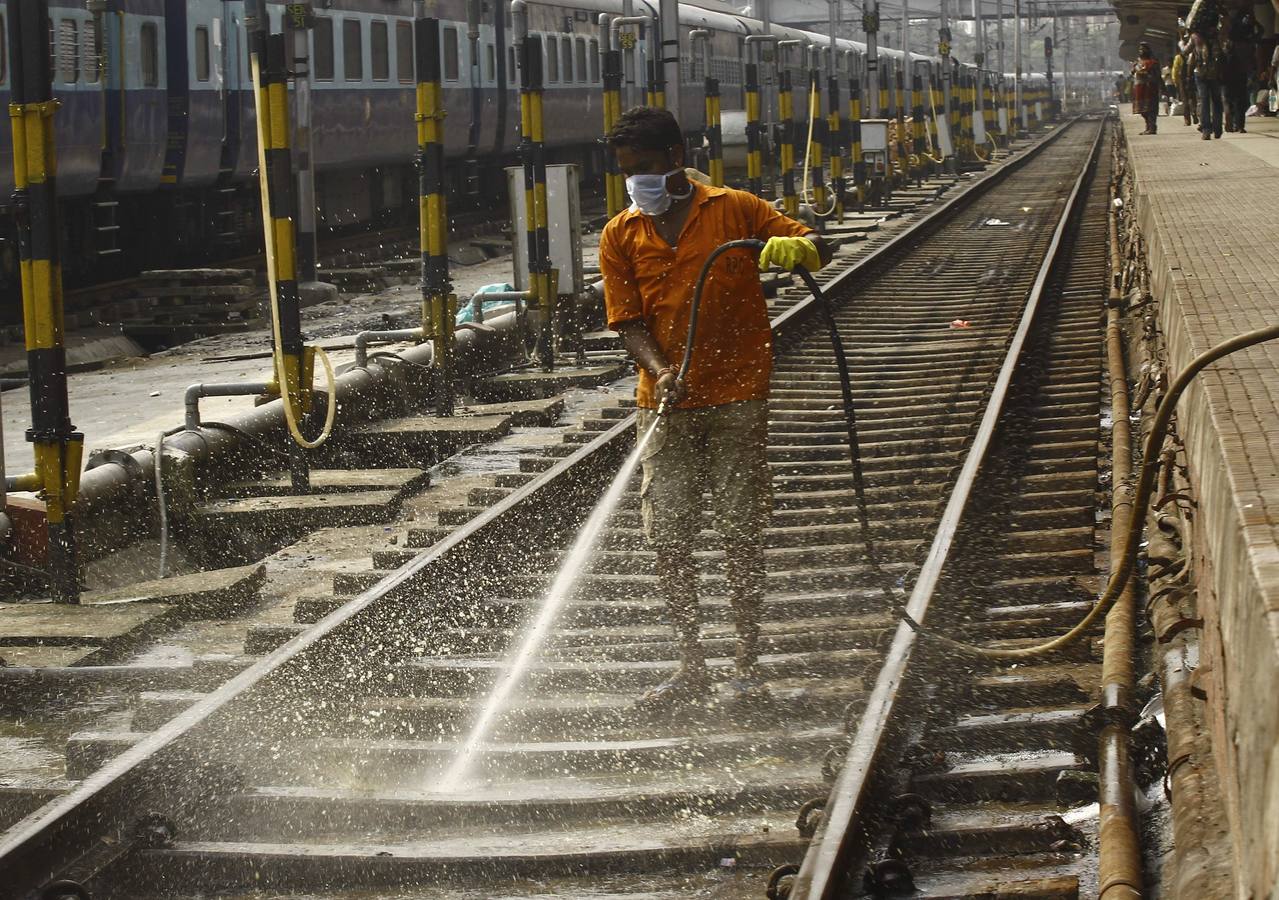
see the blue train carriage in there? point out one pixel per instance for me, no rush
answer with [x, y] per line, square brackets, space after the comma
[80, 88]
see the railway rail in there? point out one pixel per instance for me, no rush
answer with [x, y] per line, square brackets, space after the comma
[313, 770]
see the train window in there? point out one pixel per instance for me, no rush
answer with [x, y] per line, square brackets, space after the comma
[4, 53]
[490, 62]
[352, 50]
[510, 61]
[68, 51]
[552, 61]
[379, 39]
[322, 54]
[595, 61]
[566, 57]
[92, 63]
[581, 59]
[202, 54]
[452, 55]
[149, 54]
[404, 51]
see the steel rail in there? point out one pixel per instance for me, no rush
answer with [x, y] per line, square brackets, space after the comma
[53, 837]
[786, 325]
[835, 848]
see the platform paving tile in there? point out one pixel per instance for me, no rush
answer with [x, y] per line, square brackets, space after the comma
[1207, 212]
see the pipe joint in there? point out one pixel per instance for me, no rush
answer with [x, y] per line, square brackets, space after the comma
[196, 392]
[365, 339]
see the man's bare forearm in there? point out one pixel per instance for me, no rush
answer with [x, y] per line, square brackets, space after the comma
[642, 347]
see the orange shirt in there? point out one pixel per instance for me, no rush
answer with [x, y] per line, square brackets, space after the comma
[647, 279]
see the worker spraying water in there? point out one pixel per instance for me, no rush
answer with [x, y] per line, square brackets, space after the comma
[709, 421]
[680, 257]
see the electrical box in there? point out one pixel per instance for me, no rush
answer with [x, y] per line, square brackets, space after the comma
[564, 222]
[875, 145]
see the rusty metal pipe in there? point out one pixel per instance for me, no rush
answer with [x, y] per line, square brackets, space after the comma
[1119, 875]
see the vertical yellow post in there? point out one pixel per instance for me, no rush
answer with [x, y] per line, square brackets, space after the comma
[439, 304]
[56, 446]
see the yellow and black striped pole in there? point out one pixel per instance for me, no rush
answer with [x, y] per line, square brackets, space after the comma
[270, 69]
[614, 183]
[919, 134]
[786, 112]
[714, 133]
[855, 136]
[837, 141]
[903, 143]
[655, 93]
[754, 131]
[58, 448]
[533, 155]
[817, 141]
[439, 303]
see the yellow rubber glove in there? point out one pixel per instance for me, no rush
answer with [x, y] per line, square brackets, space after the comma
[789, 252]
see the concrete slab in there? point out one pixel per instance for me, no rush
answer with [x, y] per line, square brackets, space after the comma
[422, 440]
[25, 624]
[539, 412]
[1206, 210]
[213, 592]
[43, 657]
[251, 527]
[336, 481]
[536, 383]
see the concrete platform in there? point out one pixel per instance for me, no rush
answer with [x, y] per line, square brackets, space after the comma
[422, 440]
[541, 412]
[210, 593]
[1208, 213]
[247, 528]
[336, 481]
[535, 383]
[56, 624]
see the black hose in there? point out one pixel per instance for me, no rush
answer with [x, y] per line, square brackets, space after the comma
[845, 383]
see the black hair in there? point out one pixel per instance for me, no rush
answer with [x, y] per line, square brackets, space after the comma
[645, 128]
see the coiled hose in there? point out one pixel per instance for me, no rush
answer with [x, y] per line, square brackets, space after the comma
[845, 383]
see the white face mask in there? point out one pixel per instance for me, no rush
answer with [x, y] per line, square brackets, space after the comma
[649, 194]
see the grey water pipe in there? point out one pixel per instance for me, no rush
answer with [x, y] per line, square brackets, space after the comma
[628, 57]
[109, 487]
[191, 400]
[703, 35]
[366, 338]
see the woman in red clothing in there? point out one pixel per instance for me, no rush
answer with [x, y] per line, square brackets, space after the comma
[1146, 87]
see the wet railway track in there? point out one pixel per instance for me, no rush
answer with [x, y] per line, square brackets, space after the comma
[314, 771]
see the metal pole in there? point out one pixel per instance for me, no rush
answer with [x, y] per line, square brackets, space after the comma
[1018, 108]
[768, 109]
[300, 24]
[905, 29]
[279, 202]
[57, 446]
[979, 59]
[870, 24]
[627, 46]
[614, 185]
[999, 38]
[667, 60]
[439, 304]
[542, 285]
[943, 50]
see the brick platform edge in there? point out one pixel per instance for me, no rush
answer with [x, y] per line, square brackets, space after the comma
[1229, 419]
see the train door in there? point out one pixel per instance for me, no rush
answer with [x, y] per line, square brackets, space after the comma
[239, 122]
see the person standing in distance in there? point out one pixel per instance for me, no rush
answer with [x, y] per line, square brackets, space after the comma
[715, 433]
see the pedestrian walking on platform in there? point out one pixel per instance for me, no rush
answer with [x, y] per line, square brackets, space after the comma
[1208, 64]
[1147, 86]
[714, 432]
